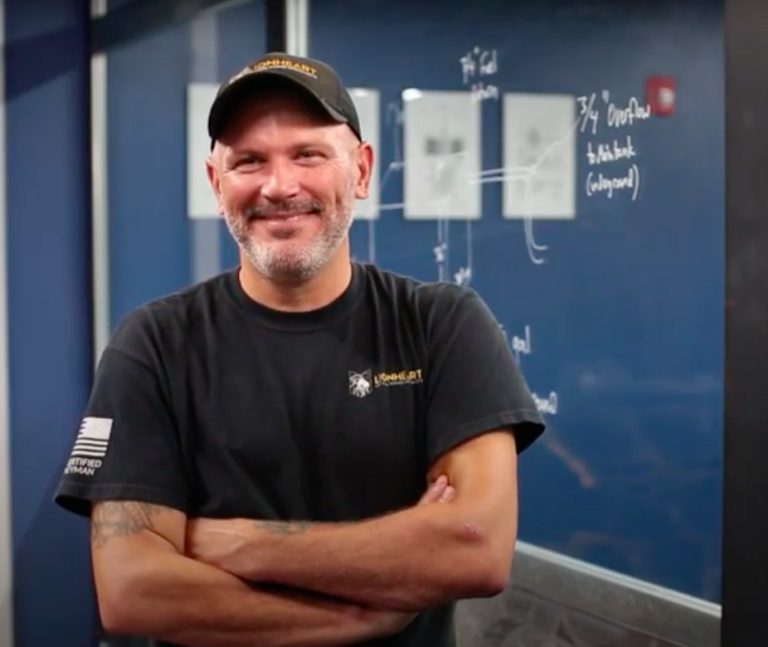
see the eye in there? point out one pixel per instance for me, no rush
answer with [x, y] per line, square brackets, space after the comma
[246, 161]
[310, 154]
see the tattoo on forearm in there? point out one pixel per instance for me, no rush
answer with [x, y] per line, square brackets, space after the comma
[284, 527]
[121, 519]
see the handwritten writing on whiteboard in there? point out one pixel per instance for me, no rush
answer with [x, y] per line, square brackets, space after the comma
[617, 117]
[599, 116]
[477, 67]
[546, 405]
[523, 346]
[612, 185]
[463, 276]
[611, 152]
[439, 252]
[594, 112]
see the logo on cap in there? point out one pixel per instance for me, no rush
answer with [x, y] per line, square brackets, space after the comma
[273, 64]
[286, 64]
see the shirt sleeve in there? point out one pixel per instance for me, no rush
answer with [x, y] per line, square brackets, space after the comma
[127, 447]
[474, 384]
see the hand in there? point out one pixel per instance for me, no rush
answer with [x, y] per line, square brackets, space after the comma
[440, 491]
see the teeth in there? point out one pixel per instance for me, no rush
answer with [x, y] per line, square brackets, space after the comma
[294, 216]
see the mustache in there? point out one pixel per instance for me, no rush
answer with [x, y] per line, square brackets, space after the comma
[285, 208]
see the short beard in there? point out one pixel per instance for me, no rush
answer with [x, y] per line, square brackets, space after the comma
[303, 262]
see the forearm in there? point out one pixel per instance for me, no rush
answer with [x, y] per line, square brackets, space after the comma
[443, 548]
[409, 560]
[172, 598]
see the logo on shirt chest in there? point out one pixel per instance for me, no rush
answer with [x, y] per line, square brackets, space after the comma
[360, 384]
[363, 383]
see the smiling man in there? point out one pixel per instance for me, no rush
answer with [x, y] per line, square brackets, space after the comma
[286, 181]
[305, 450]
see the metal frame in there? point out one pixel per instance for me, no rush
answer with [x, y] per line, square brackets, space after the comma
[745, 500]
[99, 193]
[6, 556]
[616, 598]
[297, 27]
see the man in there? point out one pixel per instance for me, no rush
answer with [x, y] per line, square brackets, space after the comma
[304, 451]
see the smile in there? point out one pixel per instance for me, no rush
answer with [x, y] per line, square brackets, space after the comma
[282, 217]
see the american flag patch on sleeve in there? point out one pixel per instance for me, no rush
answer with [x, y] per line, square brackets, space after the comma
[93, 438]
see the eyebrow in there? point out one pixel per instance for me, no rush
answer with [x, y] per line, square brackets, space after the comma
[234, 151]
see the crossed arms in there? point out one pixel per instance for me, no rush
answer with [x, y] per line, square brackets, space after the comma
[239, 582]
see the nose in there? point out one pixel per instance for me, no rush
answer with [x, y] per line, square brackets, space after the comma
[281, 182]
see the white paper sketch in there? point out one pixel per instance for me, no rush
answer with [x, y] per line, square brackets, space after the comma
[201, 203]
[539, 156]
[366, 102]
[441, 154]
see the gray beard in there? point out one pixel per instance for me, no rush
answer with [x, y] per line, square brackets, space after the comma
[275, 262]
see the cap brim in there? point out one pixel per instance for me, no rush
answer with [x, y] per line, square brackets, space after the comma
[246, 88]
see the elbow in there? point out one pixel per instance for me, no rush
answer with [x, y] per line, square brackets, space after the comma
[113, 621]
[115, 611]
[489, 564]
[496, 578]
[490, 575]
[120, 607]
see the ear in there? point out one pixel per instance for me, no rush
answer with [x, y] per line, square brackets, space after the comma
[214, 180]
[364, 167]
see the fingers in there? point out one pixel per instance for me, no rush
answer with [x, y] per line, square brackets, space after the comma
[448, 494]
[434, 491]
[438, 492]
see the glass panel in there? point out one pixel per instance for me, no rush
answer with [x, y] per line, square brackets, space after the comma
[573, 175]
[155, 53]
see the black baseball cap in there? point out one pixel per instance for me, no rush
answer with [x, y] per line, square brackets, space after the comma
[319, 80]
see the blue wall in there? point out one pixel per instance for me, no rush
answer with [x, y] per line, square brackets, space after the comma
[49, 310]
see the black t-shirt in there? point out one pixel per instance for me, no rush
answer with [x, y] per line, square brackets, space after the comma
[210, 403]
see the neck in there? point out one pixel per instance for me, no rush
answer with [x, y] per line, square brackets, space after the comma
[299, 295]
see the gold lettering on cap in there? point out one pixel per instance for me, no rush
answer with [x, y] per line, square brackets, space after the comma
[273, 63]
[284, 63]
